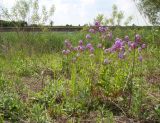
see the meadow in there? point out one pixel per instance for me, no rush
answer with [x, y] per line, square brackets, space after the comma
[95, 75]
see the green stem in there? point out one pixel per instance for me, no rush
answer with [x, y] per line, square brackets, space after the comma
[131, 81]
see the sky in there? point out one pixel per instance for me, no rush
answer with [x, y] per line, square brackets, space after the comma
[81, 12]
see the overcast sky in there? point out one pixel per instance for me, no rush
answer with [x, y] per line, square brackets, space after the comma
[77, 12]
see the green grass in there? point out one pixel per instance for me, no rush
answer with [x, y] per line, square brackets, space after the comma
[85, 90]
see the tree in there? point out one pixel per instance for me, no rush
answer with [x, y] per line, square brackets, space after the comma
[150, 9]
[28, 11]
[115, 19]
[51, 23]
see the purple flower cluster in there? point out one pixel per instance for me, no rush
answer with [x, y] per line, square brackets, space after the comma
[103, 29]
[92, 30]
[66, 52]
[88, 36]
[121, 47]
[97, 23]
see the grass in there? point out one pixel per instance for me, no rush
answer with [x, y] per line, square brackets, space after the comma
[81, 91]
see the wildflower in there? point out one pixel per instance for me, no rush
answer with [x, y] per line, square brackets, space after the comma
[122, 49]
[81, 48]
[106, 61]
[143, 46]
[68, 44]
[102, 29]
[137, 38]
[140, 58]
[121, 55]
[68, 51]
[118, 43]
[99, 45]
[126, 38]
[89, 46]
[139, 49]
[91, 50]
[88, 36]
[123, 43]
[97, 23]
[133, 45]
[112, 49]
[65, 52]
[129, 43]
[92, 30]
[75, 48]
[80, 42]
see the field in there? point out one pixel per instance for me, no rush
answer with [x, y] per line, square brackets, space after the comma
[45, 78]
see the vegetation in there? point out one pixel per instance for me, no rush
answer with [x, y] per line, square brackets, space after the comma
[12, 23]
[116, 18]
[22, 10]
[99, 74]
[151, 9]
[43, 79]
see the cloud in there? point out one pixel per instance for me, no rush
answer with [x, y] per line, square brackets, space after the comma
[7, 3]
[87, 2]
[129, 8]
[77, 12]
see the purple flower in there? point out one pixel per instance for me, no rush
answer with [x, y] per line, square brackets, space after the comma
[118, 43]
[121, 55]
[68, 44]
[122, 49]
[80, 42]
[139, 49]
[99, 45]
[140, 58]
[81, 48]
[75, 48]
[129, 43]
[65, 52]
[123, 43]
[126, 38]
[88, 36]
[91, 49]
[143, 46]
[133, 45]
[68, 51]
[112, 49]
[97, 23]
[102, 29]
[137, 38]
[92, 30]
[89, 46]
